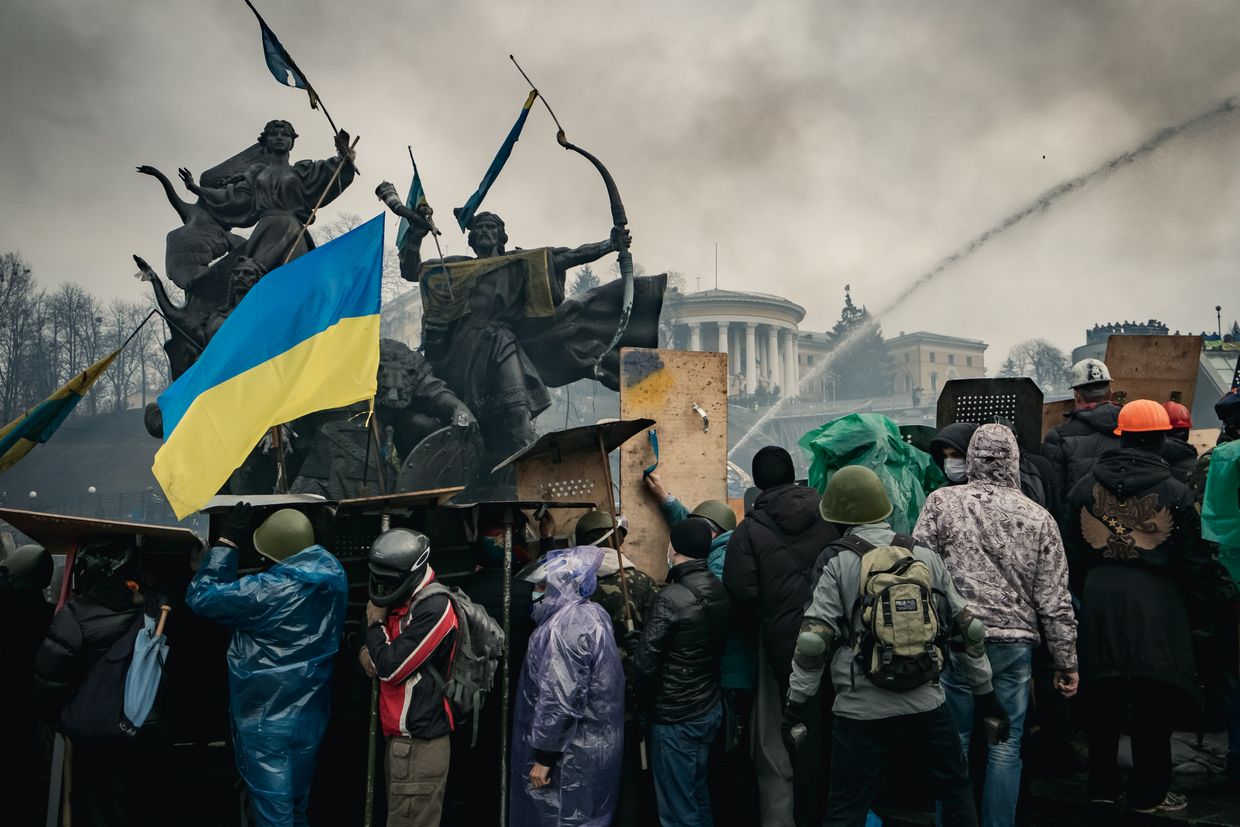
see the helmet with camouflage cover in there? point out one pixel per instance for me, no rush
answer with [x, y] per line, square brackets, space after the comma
[855, 496]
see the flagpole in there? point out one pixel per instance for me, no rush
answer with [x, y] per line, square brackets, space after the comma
[550, 111]
[430, 220]
[315, 101]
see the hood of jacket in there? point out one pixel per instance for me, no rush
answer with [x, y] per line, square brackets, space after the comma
[1128, 471]
[1102, 418]
[571, 575]
[994, 457]
[792, 507]
[956, 435]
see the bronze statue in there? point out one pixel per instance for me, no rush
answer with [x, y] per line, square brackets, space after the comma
[411, 404]
[274, 196]
[498, 329]
[190, 248]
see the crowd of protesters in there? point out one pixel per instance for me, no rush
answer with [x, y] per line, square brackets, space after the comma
[790, 663]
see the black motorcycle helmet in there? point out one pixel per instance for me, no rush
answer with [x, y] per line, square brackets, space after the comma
[98, 559]
[398, 563]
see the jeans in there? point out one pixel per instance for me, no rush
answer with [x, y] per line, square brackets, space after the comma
[1011, 665]
[924, 746]
[679, 755]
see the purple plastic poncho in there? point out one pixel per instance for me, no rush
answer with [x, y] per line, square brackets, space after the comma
[570, 699]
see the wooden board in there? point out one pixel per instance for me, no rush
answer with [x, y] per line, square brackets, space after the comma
[1154, 367]
[1203, 439]
[664, 385]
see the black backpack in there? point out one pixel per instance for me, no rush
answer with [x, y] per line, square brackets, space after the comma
[97, 710]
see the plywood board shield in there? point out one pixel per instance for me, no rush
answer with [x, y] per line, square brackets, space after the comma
[1154, 367]
[666, 385]
[1053, 414]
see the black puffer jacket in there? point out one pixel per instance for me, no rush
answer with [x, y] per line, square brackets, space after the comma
[676, 662]
[1182, 458]
[1137, 558]
[769, 567]
[80, 634]
[1076, 445]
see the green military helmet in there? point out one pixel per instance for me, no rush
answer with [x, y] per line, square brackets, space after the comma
[855, 496]
[31, 562]
[718, 512]
[596, 522]
[283, 534]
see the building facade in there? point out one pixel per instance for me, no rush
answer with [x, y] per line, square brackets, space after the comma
[759, 332]
[927, 360]
[401, 318]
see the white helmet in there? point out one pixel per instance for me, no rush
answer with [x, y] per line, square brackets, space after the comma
[1090, 372]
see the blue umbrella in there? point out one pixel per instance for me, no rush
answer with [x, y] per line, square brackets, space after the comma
[150, 650]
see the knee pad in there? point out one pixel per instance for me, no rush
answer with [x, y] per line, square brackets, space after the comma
[813, 644]
[974, 633]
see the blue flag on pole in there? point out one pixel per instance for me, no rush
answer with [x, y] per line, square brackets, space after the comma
[416, 197]
[465, 215]
[281, 64]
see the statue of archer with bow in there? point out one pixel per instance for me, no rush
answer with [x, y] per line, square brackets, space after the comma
[498, 329]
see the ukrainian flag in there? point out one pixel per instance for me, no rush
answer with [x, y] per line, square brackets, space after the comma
[37, 425]
[465, 214]
[304, 339]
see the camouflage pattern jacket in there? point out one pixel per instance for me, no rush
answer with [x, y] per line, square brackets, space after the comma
[1003, 550]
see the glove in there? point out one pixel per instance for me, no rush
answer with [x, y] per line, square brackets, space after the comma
[630, 639]
[237, 524]
[998, 727]
[792, 727]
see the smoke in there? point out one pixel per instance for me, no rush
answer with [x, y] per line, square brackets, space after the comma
[1037, 207]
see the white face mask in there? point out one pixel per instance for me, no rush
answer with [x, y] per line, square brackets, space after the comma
[953, 468]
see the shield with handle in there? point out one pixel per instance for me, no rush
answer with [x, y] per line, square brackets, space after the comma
[447, 457]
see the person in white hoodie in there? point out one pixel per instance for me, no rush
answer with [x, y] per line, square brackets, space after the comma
[1007, 561]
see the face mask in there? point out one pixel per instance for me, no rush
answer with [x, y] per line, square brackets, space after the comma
[537, 596]
[953, 468]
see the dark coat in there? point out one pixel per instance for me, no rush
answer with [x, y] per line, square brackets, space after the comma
[769, 567]
[1134, 544]
[676, 662]
[1182, 458]
[1076, 445]
[80, 634]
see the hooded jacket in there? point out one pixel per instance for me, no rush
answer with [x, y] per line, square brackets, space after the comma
[1135, 543]
[570, 703]
[287, 623]
[769, 567]
[1182, 458]
[1076, 445]
[1003, 549]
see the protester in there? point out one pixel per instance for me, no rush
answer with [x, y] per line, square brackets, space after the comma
[568, 722]
[1180, 455]
[25, 616]
[768, 573]
[1007, 561]
[734, 791]
[875, 726]
[111, 774]
[636, 804]
[1074, 446]
[410, 636]
[1228, 411]
[677, 664]
[287, 623]
[948, 450]
[1136, 539]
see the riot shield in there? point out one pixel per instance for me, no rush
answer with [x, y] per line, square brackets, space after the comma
[1016, 403]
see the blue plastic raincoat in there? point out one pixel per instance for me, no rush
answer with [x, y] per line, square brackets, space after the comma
[570, 699]
[287, 623]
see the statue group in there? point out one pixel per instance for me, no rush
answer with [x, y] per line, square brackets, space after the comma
[498, 329]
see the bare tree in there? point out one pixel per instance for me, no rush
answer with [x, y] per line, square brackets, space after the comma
[1039, 360]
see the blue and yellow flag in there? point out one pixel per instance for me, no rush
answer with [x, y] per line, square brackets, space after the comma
[37, 425]
[416, 197]
[465, 215]
[304, 339]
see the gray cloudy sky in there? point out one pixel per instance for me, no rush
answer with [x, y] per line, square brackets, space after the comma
[819, 143]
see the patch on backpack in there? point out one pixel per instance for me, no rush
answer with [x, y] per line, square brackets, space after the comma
[906, 604]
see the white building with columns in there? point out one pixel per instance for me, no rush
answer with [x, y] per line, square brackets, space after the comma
[758, 331]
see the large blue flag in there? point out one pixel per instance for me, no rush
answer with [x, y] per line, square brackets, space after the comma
[304, 339]
[465, 215]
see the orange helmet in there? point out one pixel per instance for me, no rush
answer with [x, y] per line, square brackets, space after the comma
[1180, 417]
[1142, 415]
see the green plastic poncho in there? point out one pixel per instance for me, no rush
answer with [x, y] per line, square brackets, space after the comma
[874, 441]
[1220, 506]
